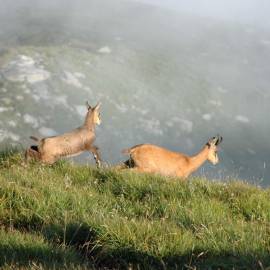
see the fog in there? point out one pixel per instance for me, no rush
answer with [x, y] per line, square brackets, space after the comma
[173, 74]
[241, 11]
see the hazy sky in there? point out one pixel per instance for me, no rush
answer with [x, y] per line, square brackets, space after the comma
[255, 12]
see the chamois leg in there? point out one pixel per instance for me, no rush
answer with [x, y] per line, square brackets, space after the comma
[31, 153]
[94, 149]
[123, 165]
[130, 163]
[141, 170]
[135, 167]
[49, 161]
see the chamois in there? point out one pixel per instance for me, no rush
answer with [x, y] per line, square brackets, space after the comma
[154, 159]
[73, 143]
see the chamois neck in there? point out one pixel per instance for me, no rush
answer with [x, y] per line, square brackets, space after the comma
[89, 121]
[197, 160]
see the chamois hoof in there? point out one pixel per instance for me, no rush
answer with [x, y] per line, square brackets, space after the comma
[98, 163]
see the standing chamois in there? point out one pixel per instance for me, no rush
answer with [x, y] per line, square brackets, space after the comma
[72, 143]
[154, 159]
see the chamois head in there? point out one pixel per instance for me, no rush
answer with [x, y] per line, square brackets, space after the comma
[94, 113]
[213, 148]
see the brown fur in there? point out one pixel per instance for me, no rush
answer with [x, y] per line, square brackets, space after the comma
[154, 159]
[81, 139]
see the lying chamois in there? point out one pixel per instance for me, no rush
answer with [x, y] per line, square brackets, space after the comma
[73, 143]
[154, 159]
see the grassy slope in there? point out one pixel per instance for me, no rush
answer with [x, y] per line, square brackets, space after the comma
[80, 217]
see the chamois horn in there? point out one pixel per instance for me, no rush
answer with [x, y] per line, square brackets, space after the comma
[88, 105]
[217, 140]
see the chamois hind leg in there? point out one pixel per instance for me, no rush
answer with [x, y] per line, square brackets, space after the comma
[129, 163]
[94, 150]
[136, 166]
[123, 165]
[140, 169]
[31, 153]
[48, 159]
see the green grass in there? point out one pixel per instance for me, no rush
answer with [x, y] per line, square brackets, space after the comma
[77, 217]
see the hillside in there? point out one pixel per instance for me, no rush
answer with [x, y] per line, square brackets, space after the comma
[77, 217]
[163, 77]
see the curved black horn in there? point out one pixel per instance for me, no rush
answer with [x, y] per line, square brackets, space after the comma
[88, 105]
[219, 139]
[97, 106]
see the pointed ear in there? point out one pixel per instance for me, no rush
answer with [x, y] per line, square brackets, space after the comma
[88, 106]
[97, 107]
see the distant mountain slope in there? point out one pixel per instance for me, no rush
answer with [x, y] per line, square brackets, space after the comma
[163, 77]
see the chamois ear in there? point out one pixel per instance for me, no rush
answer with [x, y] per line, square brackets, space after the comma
[97, 107]
[88, 106]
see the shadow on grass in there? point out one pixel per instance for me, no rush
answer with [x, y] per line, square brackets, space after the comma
[101, 254]
[86, 241]
[88, 244]
[46, 256]
[78, 235]
[77, 244]
[24, 248]
[62, 247]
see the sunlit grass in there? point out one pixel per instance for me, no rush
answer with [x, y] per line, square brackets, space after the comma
[80, 217]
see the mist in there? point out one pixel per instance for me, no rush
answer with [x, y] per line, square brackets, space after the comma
[171, 74]
[250, 12]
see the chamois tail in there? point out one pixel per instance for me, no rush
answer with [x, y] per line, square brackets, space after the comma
[129, 151]
[34, 138]
[126, 151]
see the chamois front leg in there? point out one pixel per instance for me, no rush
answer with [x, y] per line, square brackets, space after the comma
[94, 149]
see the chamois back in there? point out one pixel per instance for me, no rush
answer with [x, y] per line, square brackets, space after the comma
[155, 159]
[72, 143]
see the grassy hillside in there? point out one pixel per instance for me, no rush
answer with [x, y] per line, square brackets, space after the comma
[165, 77]
[77, 217]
